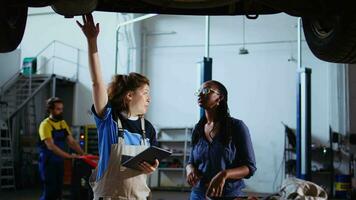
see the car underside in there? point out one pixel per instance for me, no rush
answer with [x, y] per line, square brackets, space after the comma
[329, 26]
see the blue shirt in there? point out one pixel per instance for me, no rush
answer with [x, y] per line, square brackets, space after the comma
[108, 134]
[211, 158]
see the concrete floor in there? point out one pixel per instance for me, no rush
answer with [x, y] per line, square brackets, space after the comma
[34, 194]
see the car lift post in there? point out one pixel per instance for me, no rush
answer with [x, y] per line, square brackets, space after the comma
[205, 67]
[303, 129]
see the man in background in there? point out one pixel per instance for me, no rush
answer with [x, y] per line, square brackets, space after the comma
[54, 133]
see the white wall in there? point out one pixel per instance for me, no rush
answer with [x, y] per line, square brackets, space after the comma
[261, 85]
[9, 65]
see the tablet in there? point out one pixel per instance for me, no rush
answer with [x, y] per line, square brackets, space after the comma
[149, 155]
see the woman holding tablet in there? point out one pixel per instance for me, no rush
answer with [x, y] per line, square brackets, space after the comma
[122, 130]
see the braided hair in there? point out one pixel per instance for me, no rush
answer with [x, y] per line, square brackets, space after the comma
[223, 118]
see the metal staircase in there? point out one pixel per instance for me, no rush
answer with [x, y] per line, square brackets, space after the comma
[18, 97]
[22, 91]
[7, 172]
[21, 109]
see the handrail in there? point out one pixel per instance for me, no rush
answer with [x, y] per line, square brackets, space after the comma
[44, 65]
[34, 93]
[3, 87]
[6, 82]
[64, 59]
[19, 71]
[44, 49]
[68, 45]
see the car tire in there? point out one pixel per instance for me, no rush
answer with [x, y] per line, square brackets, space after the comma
[73, 8]
[12, 23]
[332, 38]
[39, 3]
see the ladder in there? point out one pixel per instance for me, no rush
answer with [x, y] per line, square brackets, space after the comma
[7, 172]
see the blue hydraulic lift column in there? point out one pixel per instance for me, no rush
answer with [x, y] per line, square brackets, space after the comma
[206, 74]
[304, 124]
[206, 66]
[303, 128]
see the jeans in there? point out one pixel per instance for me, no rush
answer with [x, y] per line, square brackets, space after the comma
[200, 195]
[197, 195]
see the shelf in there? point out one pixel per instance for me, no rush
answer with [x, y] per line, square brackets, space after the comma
[177, 139]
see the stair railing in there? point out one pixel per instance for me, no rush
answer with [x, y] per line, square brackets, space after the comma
[54, 44]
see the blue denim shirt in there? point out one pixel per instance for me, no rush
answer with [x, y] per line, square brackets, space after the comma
[211, 158]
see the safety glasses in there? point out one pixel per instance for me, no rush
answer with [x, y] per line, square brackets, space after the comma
[205, 91]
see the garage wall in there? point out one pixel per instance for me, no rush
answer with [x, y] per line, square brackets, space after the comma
[9, 64]
[261, 84]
